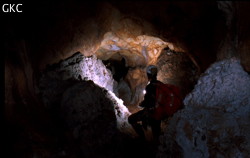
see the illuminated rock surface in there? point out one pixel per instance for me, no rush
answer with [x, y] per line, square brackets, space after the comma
[215, 121]
[92, 113]
[59, 77]
[138, 51]
[76, 67]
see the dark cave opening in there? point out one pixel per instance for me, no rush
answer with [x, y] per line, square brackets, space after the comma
[117, 67]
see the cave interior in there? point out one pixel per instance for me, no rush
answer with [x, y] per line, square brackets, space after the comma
[75, 70]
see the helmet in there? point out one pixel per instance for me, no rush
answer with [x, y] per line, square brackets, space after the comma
[152, 70]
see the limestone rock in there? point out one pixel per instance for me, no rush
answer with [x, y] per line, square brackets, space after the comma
[224, 85]
[89, 114]
[178, 69]
[215, 120]
[78, 67]
[137, 50]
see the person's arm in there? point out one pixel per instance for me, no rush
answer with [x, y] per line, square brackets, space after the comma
[149, 97]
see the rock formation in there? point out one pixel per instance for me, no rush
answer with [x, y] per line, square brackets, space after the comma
[215, 120]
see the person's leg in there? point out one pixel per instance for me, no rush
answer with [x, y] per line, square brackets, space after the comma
[156, 129]
[134, 121]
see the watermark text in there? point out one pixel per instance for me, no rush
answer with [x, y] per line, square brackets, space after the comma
[8, 8]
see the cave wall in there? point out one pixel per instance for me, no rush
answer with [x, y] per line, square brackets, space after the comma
[177, 68]
[66, 28]
[184, 24]
[60, 30]
[244, 38]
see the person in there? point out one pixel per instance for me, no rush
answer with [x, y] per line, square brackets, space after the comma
[143, 118]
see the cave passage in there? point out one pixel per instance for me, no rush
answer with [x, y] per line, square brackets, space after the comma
[117, 67]
[75, 70]
[71, 89]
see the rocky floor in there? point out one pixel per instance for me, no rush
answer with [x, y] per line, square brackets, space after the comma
[20, 143]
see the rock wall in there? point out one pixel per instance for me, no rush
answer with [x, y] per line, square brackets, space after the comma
[243, 33]
[76, 67]
[90, 117]
[60, 76]
[215, 120]
[56, 35]
[178, 69]
[224, 85]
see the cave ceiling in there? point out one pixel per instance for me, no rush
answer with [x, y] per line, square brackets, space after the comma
[123, 28]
